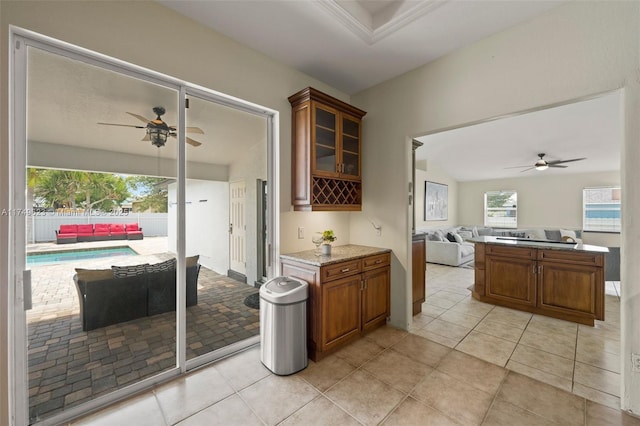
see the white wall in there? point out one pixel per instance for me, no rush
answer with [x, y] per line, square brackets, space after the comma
[543, 201]
[576, 50]
[206, 223]
[435, 174]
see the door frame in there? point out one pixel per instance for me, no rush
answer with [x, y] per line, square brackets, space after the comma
[19, 40]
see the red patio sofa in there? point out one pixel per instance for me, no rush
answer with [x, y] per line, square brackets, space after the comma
[67, 234]
[73, 233]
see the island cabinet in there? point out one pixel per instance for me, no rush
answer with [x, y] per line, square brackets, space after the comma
[326, 152]
[559, 282]
[346, 297]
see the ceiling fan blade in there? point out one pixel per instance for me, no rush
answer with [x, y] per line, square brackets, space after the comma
[197, 130]
[193, 142]
[565, 161]
[526, 170]
[146, 138]
[518, 167]
[139, 117]
[557, 166]
[122, 125]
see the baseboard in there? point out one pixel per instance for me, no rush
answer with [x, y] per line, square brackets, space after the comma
[237, 276]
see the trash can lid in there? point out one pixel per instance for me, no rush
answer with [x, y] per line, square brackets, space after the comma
[284, 290]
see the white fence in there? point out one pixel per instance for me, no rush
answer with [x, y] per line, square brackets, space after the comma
[41, 227]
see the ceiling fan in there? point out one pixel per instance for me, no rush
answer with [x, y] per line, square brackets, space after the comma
[543, 164]
[158, 130]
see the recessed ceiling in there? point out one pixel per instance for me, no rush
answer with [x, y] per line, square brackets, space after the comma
[353, 45]
[590, 128]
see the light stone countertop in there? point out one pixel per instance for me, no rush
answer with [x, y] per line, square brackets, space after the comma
[338, 254]
[525, 242]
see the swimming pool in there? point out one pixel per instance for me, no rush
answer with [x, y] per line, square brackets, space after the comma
[50, 258]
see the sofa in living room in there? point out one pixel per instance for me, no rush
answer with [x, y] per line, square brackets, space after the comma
[123, 293]
[449, 246]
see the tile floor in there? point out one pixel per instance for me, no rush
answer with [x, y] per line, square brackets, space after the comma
[422, 377]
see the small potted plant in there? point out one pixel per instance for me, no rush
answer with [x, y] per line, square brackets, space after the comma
[327, 238]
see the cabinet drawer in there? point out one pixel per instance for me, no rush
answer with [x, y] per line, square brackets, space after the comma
[377, 261]
[510, 251]
[584, 258]
[339, 270]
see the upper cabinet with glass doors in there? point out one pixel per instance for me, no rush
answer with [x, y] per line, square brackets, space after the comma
[326, 152]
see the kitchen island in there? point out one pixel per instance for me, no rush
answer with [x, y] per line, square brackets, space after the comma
[560, 280]
[349, 293]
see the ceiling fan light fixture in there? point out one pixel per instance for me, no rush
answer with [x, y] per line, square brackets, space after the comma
[542, 167]
[158, 135]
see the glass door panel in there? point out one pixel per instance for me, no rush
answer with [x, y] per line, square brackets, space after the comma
[102, 266]
[325, 136]
[226, 157]
[350, 147]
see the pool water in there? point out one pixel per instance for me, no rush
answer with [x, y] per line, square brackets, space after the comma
[50, 258]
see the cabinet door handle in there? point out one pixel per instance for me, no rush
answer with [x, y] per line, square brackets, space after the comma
[378, 261]
[535, 269]
[344, 270]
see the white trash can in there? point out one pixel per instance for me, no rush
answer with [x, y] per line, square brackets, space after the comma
[283, 325]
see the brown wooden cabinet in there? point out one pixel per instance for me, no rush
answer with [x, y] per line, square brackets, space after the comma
[346, 299]
[326, 152]
[564, 284]
[418, 271]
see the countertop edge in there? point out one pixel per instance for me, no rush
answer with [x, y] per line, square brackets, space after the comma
[320, 261]
[550, 245]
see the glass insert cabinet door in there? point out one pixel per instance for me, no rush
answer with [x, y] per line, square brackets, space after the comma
[350, 145]
[336, 143]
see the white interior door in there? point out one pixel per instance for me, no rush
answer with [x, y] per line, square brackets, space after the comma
[237, 228]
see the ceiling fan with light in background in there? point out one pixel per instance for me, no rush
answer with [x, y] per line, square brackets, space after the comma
[157, 130]
[543, 164]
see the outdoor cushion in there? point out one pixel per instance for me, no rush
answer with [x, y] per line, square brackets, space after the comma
[101, 229]
[68, 229]
[85, 229]
[94, 274]
[167, 265]
[129, 271]
[131, 227]
[117, 228]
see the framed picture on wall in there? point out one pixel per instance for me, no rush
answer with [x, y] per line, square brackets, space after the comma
[436, 201]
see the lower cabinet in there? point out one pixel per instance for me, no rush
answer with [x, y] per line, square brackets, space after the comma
[346, 299]
[418, 272]
[563, 284]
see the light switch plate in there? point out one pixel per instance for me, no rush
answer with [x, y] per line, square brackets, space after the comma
[635, 363]
[300, 233]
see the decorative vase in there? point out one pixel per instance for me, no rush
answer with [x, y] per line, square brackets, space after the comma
[326, 249]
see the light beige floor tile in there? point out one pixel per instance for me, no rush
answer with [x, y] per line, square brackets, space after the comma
[452, 295]
[557, 344]
[432, 310]
[386, 336]
[600, 415]
[186, 396]
[509, 317]
[501, 413]
[597, 378]
[548, 378]
[142, 410]
[598, 344]
[600, 329]
[364, 397]
[540, 324]
[275, 398]
[359, 352]
[397, 370]
[542, 399]
[544, 361]
[499, 329]
[419, 321]
[457, 399]
[326, 372]
[412, 412]
[445, 341]
[472, 307]
[596, 395]
[243, 369]
[320, 412]
[440, 302]
[447, 329]
[489, 348]
[476, 372]
[421, 350]
[460, 318]
[229, 411]
[604, 360]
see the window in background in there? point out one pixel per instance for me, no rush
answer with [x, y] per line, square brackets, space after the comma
[501, 209]
[601, 209]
